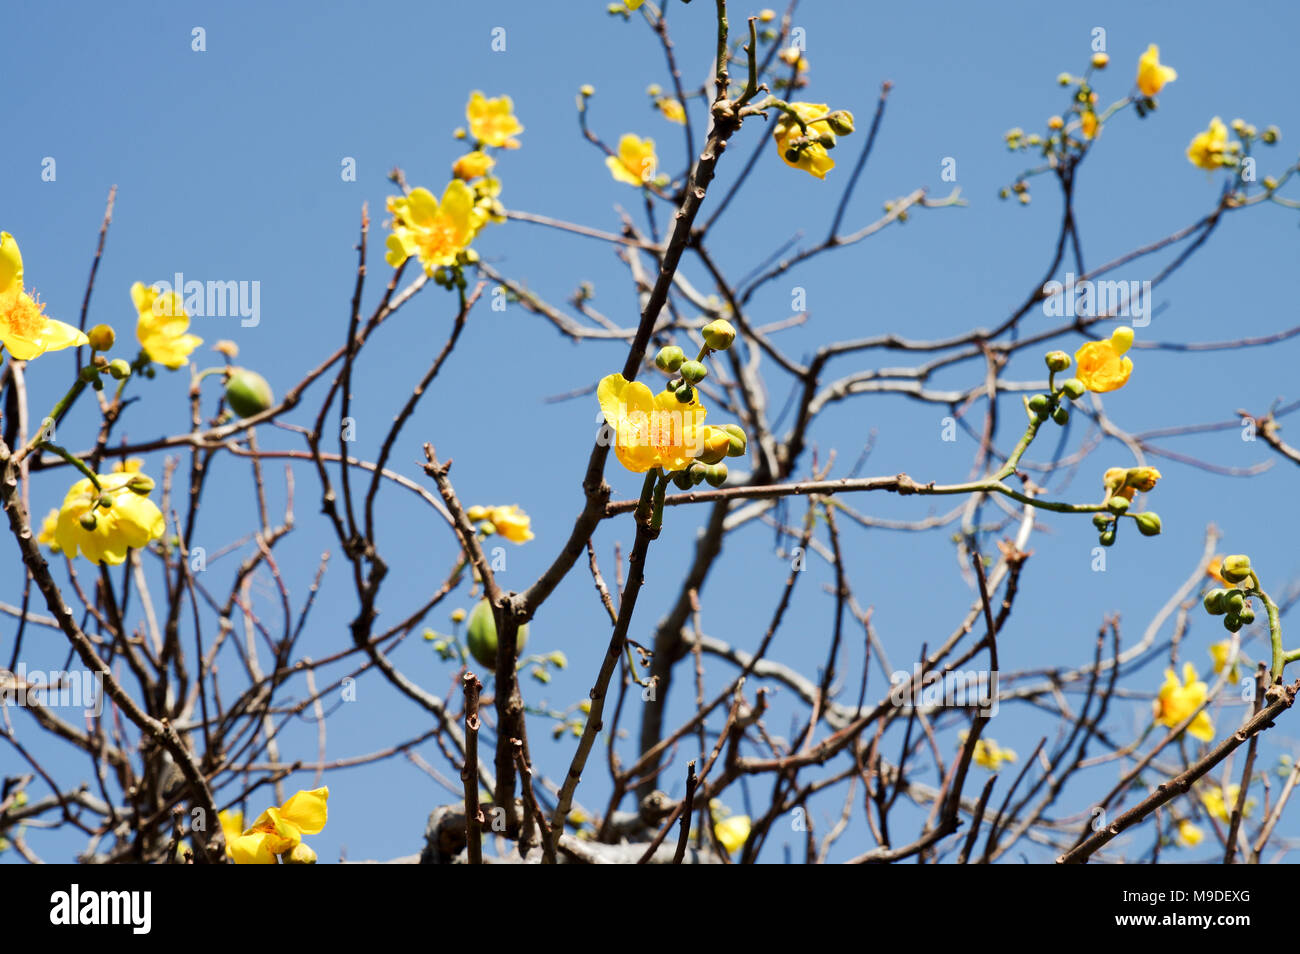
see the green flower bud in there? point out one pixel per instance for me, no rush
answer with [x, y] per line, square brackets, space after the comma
[119, 369]
[1247, 615]
[1214, 601]
[738, 440]
[1073, 388]
[716, 475]
[1235, 568]
[1057, 361]
[682, 480]
[1148, 523]
[840, 121]
[670, 359]
[1108, 537]
[558, 659]
[1117, 505]
[140, 484]
[718, 335]
[1061, 416]
[693, 372]
[685, 393]
[88, 521]
[1100, 521]
[1232, 622]
[1235, 601]
[1040, 404]
[697, 474]
[247, 393]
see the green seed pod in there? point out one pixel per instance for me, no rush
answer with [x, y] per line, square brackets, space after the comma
[1148, 523]
[247, 393]
[693, 371]
[1117, 505]
[670, 359]
[1214, 601]
[1061, 416]
[1073, 388]
[482, 635]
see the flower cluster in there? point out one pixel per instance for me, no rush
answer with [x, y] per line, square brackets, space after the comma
[806, 132]
[437, 232]
[277, 833]
[510, 522]
[666, 431]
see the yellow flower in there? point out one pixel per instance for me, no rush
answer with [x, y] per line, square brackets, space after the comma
[512, 523]
[472, 165]
[1207, 148]
[24, 328]
[232, 826]
[104, 533]
[492, 122]
[130, 465]
[673, 110]
[1101, 364]
[162, 326]
[1213, 569]
[433, 231]
[812, 157]
[793, 56]
[1219, 653]
[733, 832]
[636, 161]
[988, 754]
[1088, 124]
[1142, 478]
[1188, 834]
[49, 528]
[1152, 77]
[1176, 702]
[1212, 799]
[279, 831]
[650, 430]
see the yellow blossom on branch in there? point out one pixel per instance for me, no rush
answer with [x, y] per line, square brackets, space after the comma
[672, 110]
[472, 165]
[49, 531]
[650, 430]
[1212, 799]
[1207, 149]
[25, 331]
[802, 149]
[492, 122]
[1188, 834]
[433, 231]
[512, 523]
[1102, 365]
[278, 831]
[1152, 75]
[733, 831]
[162, 325]
[104, 523]
[1088, 124]
[635, 163]
[1178, 701]
[988, 754]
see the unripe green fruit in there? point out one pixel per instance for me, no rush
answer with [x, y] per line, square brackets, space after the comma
[247, 393]
[482, 635]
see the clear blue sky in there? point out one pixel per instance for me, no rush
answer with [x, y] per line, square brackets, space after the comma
[228, 167]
